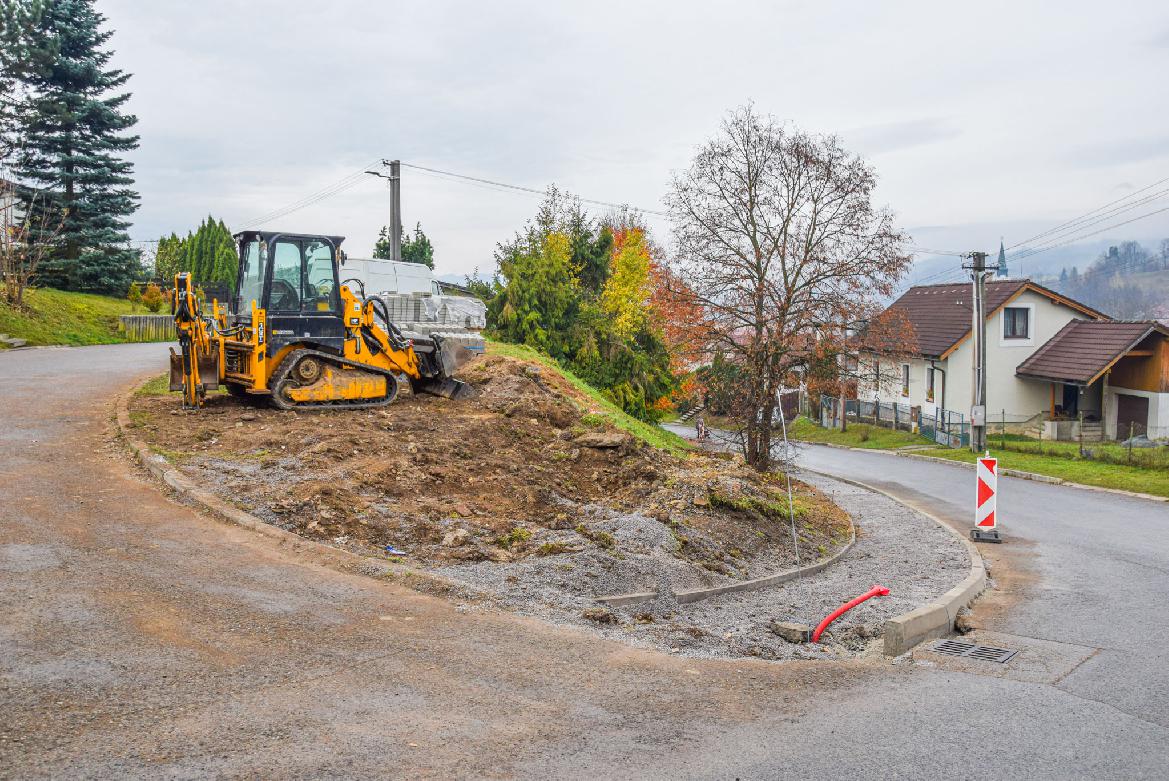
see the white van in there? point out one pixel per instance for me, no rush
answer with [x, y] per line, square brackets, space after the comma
[387, 276]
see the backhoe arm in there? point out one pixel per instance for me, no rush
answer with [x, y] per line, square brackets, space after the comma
[197, 359]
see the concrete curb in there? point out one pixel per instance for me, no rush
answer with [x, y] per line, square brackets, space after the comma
[936, 618]
[1017, 473]
[694, 595]
[319, 552]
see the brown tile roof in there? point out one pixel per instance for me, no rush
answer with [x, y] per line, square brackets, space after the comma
[941, 314]
[1083, 349]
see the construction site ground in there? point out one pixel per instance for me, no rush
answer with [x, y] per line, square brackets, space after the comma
[528, 498]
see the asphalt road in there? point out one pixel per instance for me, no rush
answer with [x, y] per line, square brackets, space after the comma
[139, 639]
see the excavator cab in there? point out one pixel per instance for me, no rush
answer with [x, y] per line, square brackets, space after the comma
[294, 279]
[292, 332]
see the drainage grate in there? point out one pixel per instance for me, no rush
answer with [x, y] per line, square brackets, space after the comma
[985, 653]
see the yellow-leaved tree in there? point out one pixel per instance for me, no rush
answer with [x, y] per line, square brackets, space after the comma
[625, 296]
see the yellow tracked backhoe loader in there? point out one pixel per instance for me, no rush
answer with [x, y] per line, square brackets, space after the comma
[293, 333]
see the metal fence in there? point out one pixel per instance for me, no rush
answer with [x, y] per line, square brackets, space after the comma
[949, 428]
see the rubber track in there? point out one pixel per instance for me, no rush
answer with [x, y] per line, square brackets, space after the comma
[290, 360]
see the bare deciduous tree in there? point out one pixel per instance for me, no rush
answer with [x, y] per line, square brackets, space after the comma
[29, 221]
[781, 245]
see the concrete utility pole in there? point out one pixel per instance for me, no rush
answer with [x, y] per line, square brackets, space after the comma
[978, 275]
[395, 226]
[395, 210]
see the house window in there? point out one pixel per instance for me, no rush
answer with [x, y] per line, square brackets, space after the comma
[905, 379]
[1016, 322]
[929, 383]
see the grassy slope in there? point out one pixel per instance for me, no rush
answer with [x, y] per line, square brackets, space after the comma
[57, 317]
[646, 432]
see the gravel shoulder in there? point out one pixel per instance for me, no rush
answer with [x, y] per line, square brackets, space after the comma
[896, 547]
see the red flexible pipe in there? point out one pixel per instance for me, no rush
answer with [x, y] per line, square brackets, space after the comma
[875, 591]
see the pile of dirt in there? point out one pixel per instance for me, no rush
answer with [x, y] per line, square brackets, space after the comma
[522, 471]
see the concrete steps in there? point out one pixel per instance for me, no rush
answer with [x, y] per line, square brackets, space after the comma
[1092, 432]
[690, 413]
[10, 341]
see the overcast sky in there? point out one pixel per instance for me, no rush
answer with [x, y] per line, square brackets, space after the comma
[1002, 118]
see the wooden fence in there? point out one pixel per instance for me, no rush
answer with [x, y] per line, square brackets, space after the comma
[148, 328]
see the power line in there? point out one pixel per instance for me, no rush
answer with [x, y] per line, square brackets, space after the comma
[1080, 225]
[1029, 253]
[1075, 221]
[938, 251]
[530, 190]
[328, 191]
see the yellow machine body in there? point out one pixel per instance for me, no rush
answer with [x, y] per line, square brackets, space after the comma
[360, 365]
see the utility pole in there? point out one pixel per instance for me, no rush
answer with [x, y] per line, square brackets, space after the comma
[978, 274]
[395, 226]
[395, 210]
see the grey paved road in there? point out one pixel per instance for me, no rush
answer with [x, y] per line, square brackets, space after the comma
[141, 640]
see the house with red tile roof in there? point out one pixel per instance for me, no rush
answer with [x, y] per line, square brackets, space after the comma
[1051, 362]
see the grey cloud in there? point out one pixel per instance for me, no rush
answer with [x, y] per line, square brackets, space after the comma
[1119, 152]
[896, 136]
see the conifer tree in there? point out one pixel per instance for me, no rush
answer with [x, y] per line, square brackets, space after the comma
[72, 134]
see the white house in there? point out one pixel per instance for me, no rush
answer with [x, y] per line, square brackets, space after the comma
[1049, 359]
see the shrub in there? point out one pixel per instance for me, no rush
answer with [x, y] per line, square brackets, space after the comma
[517, 536]
[134, 296]
[152, 299]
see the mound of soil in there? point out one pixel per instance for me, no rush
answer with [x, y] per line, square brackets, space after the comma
[525, 470]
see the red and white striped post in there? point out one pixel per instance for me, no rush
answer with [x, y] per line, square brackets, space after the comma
[986, 500]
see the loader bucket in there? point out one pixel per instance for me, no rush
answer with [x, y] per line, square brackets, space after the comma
[208, 370]
[449, 388]
[452, 356]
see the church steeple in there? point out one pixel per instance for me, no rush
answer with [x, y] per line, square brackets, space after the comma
[1002, 269]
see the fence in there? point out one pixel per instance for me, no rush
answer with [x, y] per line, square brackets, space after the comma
[950, 429]
[148, 328]
[946, 428]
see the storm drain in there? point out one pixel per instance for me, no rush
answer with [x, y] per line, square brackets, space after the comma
[984, 653]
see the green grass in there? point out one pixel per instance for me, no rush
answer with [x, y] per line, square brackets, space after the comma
[860, 435]
[56, 317]
[1106, 452]
[1053, 459]
[1122, 476]
[602, 409]
[159, 386]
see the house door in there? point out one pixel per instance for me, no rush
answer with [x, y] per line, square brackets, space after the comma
[1131, 411]
[1071, 400]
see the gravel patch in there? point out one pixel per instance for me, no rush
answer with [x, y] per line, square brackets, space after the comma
[896, 547]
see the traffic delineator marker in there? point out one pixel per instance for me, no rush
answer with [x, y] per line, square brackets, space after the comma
[985, 503]
[986, 500]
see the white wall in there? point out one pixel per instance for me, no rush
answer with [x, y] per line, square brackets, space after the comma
[1004, 391]
[890, 390]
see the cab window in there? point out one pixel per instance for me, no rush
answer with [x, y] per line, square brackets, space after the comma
[320, 288]
[251, 281]
[285, 293]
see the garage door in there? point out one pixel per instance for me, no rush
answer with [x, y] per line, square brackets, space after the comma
[1131, 411]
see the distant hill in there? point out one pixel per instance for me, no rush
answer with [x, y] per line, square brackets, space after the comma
[1128, 281]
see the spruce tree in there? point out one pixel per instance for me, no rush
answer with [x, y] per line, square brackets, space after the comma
[418, 249]
[72, 133]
